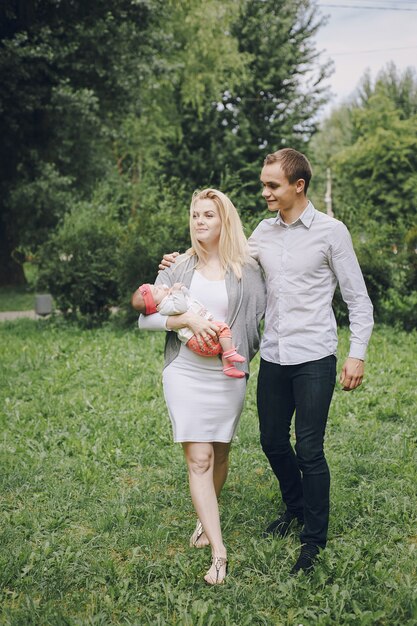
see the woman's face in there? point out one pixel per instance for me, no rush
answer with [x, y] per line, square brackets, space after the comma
[206, 223]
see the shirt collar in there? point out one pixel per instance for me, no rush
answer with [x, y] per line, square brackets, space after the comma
[305, 218]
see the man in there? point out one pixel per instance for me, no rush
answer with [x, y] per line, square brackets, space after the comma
[304, 254]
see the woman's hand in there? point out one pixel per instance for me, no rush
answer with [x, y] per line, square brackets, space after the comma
[206, 332]
[202, 328]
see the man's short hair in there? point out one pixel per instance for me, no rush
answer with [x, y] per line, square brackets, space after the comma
[295, 165]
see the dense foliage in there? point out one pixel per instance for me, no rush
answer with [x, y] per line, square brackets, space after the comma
[152, 97]
[370, 145]
[70, 72]
[127, 107]
[270, 102]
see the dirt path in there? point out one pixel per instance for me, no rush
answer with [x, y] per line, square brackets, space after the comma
[7, 316]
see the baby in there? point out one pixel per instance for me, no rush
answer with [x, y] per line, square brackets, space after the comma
[176, 300]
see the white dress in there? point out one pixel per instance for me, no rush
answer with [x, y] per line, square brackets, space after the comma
[203, 403]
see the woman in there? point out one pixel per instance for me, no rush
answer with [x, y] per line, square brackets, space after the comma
[203, 404]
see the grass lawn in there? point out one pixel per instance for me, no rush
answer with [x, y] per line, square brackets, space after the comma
[95, 512]
[20, 298]
[17, 298]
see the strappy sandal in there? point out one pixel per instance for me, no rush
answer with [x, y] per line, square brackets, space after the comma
[218, 562]
[199, 530]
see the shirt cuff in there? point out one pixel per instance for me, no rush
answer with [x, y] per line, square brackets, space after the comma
[357, 350]
[153, 322]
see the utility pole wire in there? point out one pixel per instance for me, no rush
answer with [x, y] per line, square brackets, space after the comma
[388, 2]
[364, 8]
[374, 50]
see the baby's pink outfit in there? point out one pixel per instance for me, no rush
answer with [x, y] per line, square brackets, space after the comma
[179, 302]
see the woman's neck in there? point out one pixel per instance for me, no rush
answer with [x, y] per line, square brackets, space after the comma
[211, 266]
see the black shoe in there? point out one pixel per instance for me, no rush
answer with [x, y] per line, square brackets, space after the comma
[306, 560]
[281, 526]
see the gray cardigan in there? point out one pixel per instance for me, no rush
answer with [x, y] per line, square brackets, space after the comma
[247, 301]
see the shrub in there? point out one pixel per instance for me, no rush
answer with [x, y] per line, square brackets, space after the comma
[400, 309]
[158, 224]
[376, 260]
[388, 261]
[399, 303]
[78, 264]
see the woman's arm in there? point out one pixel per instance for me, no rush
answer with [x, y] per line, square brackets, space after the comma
[156, 321]
[199, 326]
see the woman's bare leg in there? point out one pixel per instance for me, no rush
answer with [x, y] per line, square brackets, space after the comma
[221, 465]
[220, 471]
[200, 462]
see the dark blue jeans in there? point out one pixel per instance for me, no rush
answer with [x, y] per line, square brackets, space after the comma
[303, 474]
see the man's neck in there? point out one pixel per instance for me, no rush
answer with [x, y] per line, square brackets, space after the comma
[291, 215]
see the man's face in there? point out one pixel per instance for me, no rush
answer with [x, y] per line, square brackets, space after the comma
[278, 192]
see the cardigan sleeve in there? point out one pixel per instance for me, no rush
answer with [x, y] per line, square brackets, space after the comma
[258, 288]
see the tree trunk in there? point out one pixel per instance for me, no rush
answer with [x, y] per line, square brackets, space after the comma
[11, 272]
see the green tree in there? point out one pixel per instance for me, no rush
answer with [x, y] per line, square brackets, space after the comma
[70, 72]
[376, 177]
[269, 102]
[370, 144]
[399, 87]
[137, 94]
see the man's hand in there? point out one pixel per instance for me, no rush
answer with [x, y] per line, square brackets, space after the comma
[352, 374]
[167, 261]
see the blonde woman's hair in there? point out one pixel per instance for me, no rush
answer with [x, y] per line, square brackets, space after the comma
[233, 246]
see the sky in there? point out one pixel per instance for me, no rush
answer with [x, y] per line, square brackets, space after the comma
[366, 37]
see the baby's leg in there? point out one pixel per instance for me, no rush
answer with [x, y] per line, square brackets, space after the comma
[229, 353]
[225, 338]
